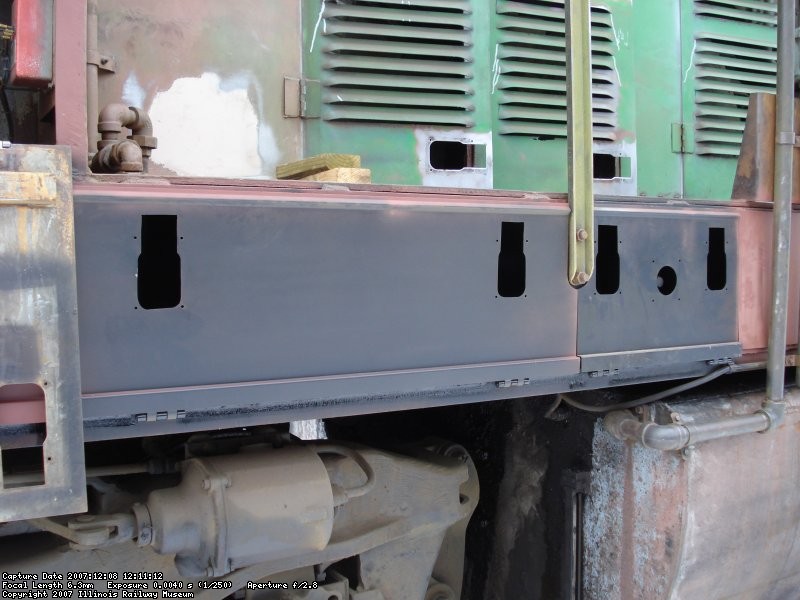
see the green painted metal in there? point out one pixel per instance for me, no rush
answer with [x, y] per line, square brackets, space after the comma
[529, 95]
[391, 71]
[579, 141]
[729, 51]
[654, 76]
[396, 73]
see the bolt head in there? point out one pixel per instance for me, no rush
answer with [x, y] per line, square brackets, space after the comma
[582, 234]
[581, 278]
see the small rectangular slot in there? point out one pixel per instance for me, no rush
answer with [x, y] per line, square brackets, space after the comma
[607, 259]
[608, 166]
[717, 261]
[511, 262]
[450, 155]
[24, 466]
[22, 404]
[159, 274]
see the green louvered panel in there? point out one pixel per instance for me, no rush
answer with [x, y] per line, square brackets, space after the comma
[727, 69]
[529, 81]
[398, 61]
[751, 11]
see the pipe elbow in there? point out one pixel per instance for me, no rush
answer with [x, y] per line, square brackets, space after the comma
[129, 156]
[141, 124]
[142, 131]
[665, 437]
[624, 426]
[775, 413]
[123, 156]
[114, 117]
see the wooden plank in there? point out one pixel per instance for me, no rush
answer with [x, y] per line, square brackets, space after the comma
[316, 164]
[342, 175]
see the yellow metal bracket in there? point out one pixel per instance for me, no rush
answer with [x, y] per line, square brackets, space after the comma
[579, 142]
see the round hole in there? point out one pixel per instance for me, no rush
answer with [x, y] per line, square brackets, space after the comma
[667, 280]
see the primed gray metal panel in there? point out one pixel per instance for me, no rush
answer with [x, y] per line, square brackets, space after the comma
[332, 406]
[282, 393]
[39, 337]
[294, 289]
[638, 316]
[661, 356]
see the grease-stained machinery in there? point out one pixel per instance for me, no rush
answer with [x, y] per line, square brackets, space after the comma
[169, 308]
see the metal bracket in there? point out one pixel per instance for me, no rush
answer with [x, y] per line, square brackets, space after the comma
[39, 310]
[579, 142]
[87, 532]
[509, 383]
[103, 62]
[301, 98]
[161, 415]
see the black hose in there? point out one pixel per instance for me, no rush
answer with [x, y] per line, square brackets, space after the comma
[647, 399]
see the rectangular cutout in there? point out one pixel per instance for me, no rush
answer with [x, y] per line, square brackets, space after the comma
[511, 262]
[159, 274]
[452, 155]
[607, 260]
[608, 166]
[717, 260]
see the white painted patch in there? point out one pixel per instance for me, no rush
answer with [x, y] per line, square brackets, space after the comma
[132, 91]
[316, 26]
[471, 177]
[619, 186]
[208, 127]
[496, 69]
[310, 430]
[691, 62]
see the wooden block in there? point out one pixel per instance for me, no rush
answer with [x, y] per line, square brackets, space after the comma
[342, 175]
[316, 164]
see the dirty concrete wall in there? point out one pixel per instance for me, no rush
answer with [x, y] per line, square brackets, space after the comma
[211, 75]
[722, 522]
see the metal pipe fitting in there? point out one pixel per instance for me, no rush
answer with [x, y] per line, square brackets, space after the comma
[676, 436]
[120, 156]
[117, 116]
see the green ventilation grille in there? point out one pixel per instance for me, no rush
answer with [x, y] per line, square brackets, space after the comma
[529, 82]
[398, 61]
[751, 11]
[727, 71]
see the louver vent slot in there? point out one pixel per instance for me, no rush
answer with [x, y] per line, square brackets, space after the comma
[530, 70]
[751, 11]
[398, 61]
[727, 70]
